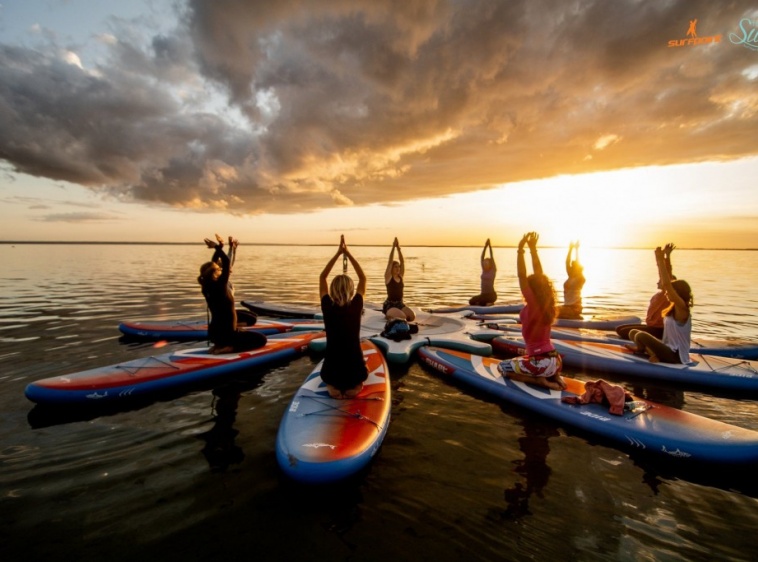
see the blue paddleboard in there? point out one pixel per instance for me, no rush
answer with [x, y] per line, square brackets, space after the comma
[645, 425]
[709, 371]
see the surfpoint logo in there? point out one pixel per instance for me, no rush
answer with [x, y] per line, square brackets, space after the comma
[748, 35]
[692, 38]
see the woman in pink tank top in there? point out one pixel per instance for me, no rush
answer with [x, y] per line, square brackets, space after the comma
[542, 364]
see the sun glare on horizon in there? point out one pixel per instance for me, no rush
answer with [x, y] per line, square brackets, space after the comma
[622, 208]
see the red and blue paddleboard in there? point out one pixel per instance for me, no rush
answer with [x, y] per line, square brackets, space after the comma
[322, 439]
[187, 330]
[160, 373]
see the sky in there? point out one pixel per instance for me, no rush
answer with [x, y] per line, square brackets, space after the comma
[629, 123]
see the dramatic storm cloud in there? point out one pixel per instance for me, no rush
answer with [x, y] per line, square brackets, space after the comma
[257, 106]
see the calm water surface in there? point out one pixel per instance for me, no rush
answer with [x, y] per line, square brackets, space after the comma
[459, 477]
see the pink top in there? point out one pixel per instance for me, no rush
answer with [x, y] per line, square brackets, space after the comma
[536, 333]
[658, 304]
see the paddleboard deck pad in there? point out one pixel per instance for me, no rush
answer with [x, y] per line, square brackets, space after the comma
[322, 439]
[648, 426]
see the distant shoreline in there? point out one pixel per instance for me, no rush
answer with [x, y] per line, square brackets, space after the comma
[94, 243]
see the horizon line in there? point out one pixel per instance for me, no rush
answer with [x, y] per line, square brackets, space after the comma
[135, 243]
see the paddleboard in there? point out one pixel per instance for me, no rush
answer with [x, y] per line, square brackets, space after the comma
[321, 439]
[184, 330]
[708, 371]
[433, 329]
[160, 373]
[489, 309]
[739, 349]
[652, 427]
[284, 310]
[598, 322]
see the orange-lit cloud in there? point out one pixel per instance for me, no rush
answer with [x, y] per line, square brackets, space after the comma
[280, 107]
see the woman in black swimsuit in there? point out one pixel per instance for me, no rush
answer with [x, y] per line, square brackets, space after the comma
[344, 369]
[219, 297]
[394, 307]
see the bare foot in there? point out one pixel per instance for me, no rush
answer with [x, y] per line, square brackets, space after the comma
[334, 392]
[654, 359]
[221, 350]
[353, 392]
[549, 384]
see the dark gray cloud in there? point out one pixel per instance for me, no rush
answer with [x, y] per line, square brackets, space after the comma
[287, 106]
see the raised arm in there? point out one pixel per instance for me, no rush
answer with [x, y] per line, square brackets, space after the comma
[531, 240]
[361, 288]
[323, 286]
[521, 264]
[388, 271]
[232, 251]
[681, 308]
[667, 249]
[220, 257]
[400, 258]
[487, 244]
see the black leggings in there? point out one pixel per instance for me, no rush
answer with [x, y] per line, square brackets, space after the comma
[623, 330]
[485, 299]
[654, 346]
[242, 340]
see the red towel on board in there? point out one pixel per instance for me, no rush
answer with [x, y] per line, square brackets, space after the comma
[601, 392]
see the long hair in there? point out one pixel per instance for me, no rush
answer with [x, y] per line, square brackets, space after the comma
[544, 292]
[684, 291]
[341, 290]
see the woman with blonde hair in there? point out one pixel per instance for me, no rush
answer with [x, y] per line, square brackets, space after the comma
[572, 288]
[344, 369]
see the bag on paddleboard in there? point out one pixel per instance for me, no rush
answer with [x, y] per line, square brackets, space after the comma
[398, 330]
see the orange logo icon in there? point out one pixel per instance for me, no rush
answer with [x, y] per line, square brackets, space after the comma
[691, 32]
